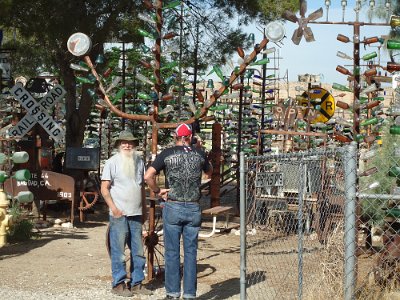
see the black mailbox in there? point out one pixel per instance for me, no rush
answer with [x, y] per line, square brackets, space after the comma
[82, 158]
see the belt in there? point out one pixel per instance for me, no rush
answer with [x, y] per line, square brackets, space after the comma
[176, 201]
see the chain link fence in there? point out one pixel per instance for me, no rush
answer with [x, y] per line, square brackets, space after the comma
[299, 232]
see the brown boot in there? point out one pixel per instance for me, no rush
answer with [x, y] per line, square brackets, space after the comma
[122, 290]
[139, 289]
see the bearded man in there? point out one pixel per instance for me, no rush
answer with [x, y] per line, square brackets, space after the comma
[123, 190]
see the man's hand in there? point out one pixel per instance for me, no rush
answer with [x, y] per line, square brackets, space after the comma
[163, 193]
[117, 213]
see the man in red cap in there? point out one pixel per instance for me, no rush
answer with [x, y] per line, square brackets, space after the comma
[183, 166]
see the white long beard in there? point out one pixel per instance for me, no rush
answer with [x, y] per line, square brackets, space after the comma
[128, 160]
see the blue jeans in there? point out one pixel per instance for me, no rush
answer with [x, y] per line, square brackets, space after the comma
[126, 231]
[181, 219]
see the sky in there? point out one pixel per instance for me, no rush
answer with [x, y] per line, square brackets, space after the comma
[319, 57]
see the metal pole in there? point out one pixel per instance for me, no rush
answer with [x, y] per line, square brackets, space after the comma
[264, 74]
[350, 168]
[242, 228]
[303, 167]
[123, 82]
[239, 138]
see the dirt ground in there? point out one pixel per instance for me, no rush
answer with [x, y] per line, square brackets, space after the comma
[73, 263]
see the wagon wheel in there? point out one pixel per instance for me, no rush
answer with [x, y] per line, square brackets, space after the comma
[88, 200]
[153, 244]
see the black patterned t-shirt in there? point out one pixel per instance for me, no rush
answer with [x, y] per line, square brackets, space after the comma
[183, 168]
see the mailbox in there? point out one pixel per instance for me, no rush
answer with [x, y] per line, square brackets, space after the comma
[82, 158]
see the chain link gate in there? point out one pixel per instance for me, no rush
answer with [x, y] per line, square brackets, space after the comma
[292, 213]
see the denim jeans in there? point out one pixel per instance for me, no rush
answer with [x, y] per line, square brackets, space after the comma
[181, 219]
[126, 231]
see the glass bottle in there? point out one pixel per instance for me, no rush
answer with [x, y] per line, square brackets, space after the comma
[342, 105]
[78, 67]
[240, 52]
[145, 64]
[219, 107]
[3, 176]
[340, 87]
[145, 33]
[166, 110]
[22, 175]
[143, 96]
[370, 105]
[342, 38]
[169, 65]
[84, 80]
[144, 79]
[370, 72]
[167, 97]
[218, 71]
[371, 121]
[172, 4]
[20, 157]
[392, 67]
[394, 171]
[394, 21]
[260, 62]
[393, 44]
[107, 72]
[394, 129]
[341, 138]
[343, 70]
[371, 40]
[116, 80]
[369, 172]
[118, 95]
[25, 197]
[370, 56]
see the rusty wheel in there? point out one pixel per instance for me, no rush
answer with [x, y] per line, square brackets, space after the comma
[154, 248]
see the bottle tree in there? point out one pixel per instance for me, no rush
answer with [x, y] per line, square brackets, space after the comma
[157, 93]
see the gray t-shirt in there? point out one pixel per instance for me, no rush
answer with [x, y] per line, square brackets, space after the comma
[125, 191]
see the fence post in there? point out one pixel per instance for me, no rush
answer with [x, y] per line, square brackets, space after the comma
[242, 227]
[350, 230]
[303, 168]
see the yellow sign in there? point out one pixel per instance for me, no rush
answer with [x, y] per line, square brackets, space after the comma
[321, 101]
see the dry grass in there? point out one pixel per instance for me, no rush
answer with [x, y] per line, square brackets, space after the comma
[328, 283]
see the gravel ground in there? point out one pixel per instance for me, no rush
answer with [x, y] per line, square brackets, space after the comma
[72, 263]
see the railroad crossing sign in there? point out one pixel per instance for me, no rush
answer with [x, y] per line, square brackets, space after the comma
[321, 101]
[37, 112]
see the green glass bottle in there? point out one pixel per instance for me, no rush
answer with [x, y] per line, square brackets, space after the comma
[20, 157]
[118, 95]
[394, 171]
[394, 129]
[393, 44]
[219, 107]
[169, 65]
[370, 56]
[371, 121]
[91, 93]
[260, 62]
[172, 4]
[22, 175]
[340, 87]
[3, 176]
[84, 80]
[25, 197]
[218, 71]
[145, 33]
[143, 96]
